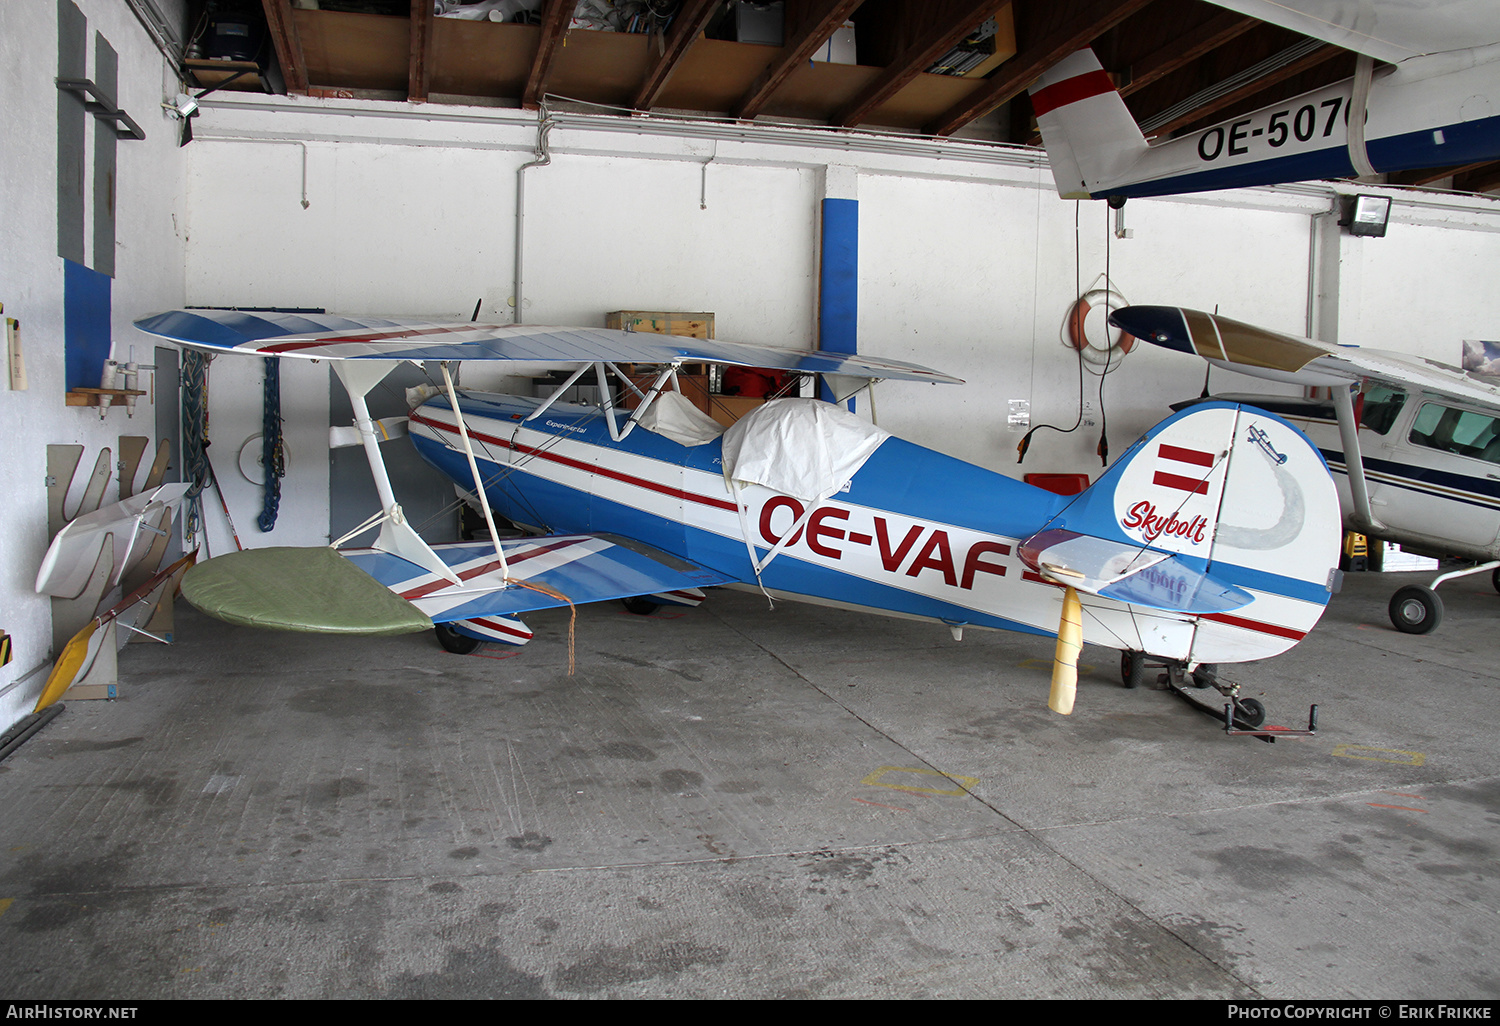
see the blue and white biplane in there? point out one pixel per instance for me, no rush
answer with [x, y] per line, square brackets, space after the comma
[1434, 108]
[1213, 539]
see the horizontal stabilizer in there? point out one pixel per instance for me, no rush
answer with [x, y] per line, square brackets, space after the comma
[329, 337]
[1128, 573]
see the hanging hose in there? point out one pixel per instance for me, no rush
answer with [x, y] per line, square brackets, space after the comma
[272, 452]
[194, 439]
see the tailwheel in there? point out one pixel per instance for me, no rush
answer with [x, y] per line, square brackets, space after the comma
[1132, 669]
[640, 605]
[453, 641]
[1250, 711]
[1416, 610]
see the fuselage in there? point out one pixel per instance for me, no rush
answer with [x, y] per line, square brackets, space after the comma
[914, 533]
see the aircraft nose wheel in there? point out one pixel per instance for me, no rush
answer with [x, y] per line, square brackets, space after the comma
[1416, 610]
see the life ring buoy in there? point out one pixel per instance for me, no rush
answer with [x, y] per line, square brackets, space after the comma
[1104, 344]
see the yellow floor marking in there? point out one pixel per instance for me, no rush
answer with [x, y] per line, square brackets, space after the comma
[965, 784]
[5, 904]
[1350, 752]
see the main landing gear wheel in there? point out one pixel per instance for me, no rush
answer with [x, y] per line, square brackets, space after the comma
[450, 639]
[1132, 669]
[1416, 610]
[1205, 675]
[640, 605]
[1495, 578]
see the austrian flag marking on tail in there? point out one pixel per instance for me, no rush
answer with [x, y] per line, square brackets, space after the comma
[1179, 456]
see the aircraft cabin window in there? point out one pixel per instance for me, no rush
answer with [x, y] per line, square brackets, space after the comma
[1381, 407]
[1462, 432]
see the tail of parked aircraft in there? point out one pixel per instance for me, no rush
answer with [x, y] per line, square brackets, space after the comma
[1090, 136]
[1224, 515]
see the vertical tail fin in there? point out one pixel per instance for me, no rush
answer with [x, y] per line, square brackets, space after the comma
[1223, 512]
[1090, 136]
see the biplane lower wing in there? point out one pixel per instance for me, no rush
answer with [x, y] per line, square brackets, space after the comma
[545, 572]
[367, 591]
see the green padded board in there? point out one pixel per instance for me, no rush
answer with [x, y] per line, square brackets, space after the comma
[299, 589]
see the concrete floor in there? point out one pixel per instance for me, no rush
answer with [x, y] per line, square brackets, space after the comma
[733, 802]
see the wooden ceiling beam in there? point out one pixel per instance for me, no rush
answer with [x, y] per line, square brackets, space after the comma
[419, 65]
[1179, 53]
[555, 18]
[689, 24]
[1060, 29]
[1187, 48]
[822, 21]
[916, 59]
[1481, 178]
[288, 44]
[1249, 89]
[1426, 176]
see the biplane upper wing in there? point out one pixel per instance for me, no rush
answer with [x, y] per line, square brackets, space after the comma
[1272, 355]
[328, 337]
[367, 591]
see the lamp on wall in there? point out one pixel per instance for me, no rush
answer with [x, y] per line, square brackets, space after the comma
[1365, 215]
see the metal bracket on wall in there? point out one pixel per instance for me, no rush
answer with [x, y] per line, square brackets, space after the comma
[102, 107]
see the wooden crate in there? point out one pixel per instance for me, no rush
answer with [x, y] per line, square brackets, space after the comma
[663, 322]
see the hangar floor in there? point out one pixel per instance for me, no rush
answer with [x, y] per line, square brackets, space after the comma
[734, 802]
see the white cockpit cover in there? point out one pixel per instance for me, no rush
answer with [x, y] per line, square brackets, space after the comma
[674, 415]
[804, 448]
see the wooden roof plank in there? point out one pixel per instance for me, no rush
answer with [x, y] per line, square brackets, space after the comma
[691, 19]
[555, 18]
[1068, 28]
[823, 20]
[916, 59]
[288, 45]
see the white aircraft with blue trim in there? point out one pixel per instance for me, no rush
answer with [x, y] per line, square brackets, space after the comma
[1438, 106]
[1213, 539]
[1414, 444]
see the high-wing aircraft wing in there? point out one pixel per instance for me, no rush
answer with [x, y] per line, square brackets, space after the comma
[1430, 110]
[1388, 30]
[328, 337]
[1234, 345]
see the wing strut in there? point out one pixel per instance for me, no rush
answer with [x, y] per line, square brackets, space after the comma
[1359, 491]
[396, 535]
[484, 502]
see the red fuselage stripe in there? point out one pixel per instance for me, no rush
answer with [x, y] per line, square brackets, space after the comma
[1256, 625]
[614, 475]
[1070, 90]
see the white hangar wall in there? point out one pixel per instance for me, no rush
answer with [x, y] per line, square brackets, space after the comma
[968, 260]
[148, 255]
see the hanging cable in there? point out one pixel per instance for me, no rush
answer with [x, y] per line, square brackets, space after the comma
[1025, 442]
